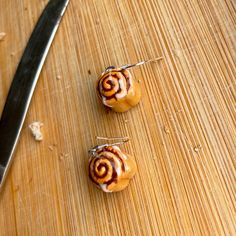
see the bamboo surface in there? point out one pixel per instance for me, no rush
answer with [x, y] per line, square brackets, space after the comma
[182, 133]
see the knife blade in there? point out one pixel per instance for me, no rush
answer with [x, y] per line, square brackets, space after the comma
[24, 81]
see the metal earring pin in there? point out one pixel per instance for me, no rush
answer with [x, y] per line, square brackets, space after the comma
[110, 169]
[97, 147]
[128, 66]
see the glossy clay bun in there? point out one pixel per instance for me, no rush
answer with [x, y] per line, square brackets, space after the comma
[118, 90]
[110, 169]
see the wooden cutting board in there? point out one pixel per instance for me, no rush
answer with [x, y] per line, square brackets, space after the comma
[182, 133]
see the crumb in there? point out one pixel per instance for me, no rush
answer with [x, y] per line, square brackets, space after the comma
[179, 111]
[2, 35]
[58, 77]
[126, 121]
[63, 156]
[12, 54]
[97, 21]
[89, 72]
[25, 8]
[50, 148]
[35, 130]
[166, 129]
[177, 53]
[16, 189]
[197, 148]
[139, 81]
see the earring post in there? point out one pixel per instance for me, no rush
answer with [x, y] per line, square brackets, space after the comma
[112, 138]
[94, 149]
[127, 66]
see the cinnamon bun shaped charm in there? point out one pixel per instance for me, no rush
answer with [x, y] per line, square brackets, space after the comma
[111, 169]
[118, 90]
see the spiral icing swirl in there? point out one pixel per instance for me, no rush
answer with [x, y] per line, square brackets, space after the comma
[106, 166]
[114, 85]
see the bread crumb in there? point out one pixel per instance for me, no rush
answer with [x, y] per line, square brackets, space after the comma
[179, 111]
[35, 130]
[177, 53]
[126, 121]
[139, 81]
[63, 156]
[16, 189]
[58, 77]
[89, 72]
[166, 129]
[50, 148]
[2, 35]
[197, 148]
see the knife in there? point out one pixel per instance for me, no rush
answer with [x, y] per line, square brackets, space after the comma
[24, 81]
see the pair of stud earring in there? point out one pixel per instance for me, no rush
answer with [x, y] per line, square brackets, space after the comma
[110, 168]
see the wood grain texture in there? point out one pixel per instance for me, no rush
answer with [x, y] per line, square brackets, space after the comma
[182, 133]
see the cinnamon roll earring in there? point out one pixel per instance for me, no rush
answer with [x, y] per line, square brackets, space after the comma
[110, 169]
[117, 88]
